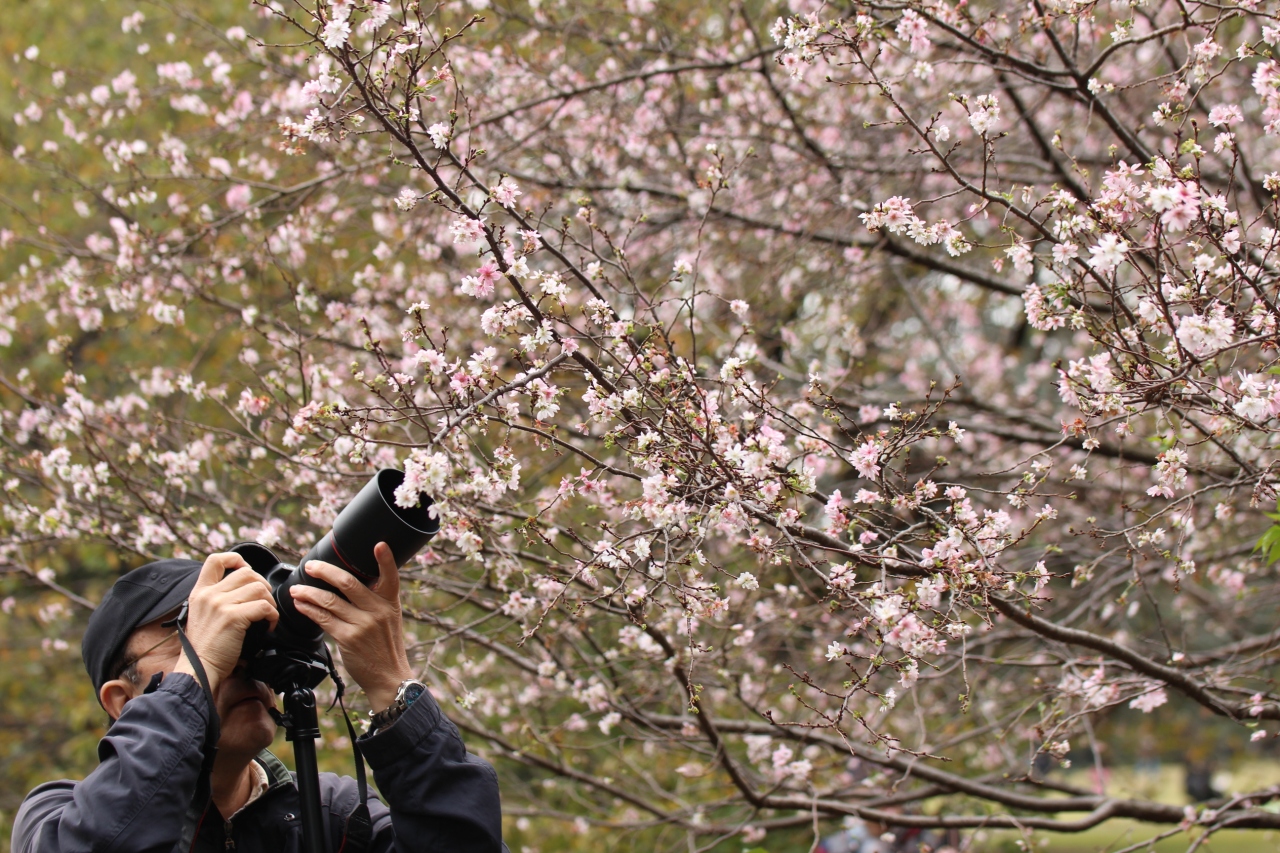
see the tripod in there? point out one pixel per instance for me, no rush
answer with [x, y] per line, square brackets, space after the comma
[295, 675]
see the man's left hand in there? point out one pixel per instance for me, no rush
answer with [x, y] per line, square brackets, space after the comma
[367, 626]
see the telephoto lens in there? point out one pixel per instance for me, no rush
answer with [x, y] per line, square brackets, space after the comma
[371, 517]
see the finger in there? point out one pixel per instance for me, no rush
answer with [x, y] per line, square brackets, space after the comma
[238, 606]
[331, 603]
[327, 620]
[245, 593]
[234, 580]
[347, 583]
[388, 585]
[216, 566]
[258, 611]
[225, 614]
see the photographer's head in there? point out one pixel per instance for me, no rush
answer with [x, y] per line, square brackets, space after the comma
[145, 595]
[127, 643]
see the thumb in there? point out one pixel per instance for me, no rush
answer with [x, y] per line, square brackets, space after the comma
[216, 566]
[388, 586]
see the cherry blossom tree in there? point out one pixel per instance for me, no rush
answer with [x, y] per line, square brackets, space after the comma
[832, 410]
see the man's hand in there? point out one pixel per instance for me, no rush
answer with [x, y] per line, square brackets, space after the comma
[220, 609]
[367, 626]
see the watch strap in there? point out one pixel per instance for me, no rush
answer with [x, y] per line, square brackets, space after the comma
[410, 689]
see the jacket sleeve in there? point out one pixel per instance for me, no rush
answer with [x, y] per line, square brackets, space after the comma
[137, 798]
[440, 798]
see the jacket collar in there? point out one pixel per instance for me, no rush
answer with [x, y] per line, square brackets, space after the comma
[277, 774]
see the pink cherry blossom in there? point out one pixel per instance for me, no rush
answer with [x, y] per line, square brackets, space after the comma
[777, 402]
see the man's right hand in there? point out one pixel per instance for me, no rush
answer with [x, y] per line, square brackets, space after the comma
[220, 609]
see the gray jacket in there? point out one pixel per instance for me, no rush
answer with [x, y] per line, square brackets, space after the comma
[438, 797]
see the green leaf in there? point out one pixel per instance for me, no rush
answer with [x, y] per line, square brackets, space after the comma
[1269, 542]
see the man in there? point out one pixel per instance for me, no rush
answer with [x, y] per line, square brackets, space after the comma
[859, 836]
[142, 796]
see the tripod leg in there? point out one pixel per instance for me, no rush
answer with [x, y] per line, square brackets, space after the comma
[302, 727]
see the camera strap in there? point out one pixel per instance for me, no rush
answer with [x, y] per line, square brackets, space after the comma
[357, 834]
[204, 788]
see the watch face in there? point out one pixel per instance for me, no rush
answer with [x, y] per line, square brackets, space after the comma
[412, 691]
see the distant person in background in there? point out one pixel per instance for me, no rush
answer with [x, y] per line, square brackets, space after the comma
[861, 836]
[1199, 782]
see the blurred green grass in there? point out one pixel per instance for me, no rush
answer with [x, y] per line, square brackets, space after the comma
[1163, 783]
[1117, 835]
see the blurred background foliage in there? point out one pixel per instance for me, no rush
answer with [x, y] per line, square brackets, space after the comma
[50, 721]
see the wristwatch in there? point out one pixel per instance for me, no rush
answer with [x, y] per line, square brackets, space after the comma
[406, 695]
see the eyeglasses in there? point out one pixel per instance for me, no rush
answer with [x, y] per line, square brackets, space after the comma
[133, 660]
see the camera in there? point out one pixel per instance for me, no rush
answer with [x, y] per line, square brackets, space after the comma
[294, 654]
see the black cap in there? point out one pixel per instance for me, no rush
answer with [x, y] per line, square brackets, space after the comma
[141, 596]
